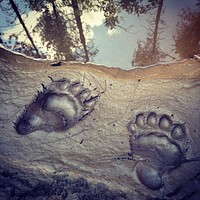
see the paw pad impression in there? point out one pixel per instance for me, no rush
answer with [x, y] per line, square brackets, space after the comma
[160, 145]
[58, 107]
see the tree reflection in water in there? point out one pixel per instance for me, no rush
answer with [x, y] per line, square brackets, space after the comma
[64, 33]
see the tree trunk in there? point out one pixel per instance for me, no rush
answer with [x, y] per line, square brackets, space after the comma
[24, 26]
[155, 36]
[80, 27]
[57, 23]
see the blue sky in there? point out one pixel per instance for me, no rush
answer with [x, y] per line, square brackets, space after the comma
[117, 50]
[116, 47]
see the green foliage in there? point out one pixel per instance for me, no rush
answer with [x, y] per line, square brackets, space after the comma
[138, 6]
[54, 34]
[113, 8]
[14, 44]
[111, 11]
[64, 34]
[14, 11]
[37, 5]
[62, 29]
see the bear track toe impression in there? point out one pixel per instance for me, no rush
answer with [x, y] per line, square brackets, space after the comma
[57, 108]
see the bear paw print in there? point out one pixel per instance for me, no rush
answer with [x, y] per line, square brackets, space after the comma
[159, 144]
[58, 107]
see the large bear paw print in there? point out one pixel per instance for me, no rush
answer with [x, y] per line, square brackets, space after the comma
[159, 145]
[58, 107]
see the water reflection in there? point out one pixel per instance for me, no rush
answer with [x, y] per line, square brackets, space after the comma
[149, 52]
[116, 33]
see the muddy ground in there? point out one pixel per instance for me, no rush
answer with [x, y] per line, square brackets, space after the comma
[85, 131]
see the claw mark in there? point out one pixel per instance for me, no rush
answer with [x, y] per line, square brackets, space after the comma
[51, 78]
[159, 145]
[58, 107]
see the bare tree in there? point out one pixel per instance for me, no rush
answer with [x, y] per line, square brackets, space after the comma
[149, 52]
[15, 8]
[77, 15]
[155, 34]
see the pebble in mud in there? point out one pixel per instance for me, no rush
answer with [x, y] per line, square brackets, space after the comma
[158, 140]
[58, 107]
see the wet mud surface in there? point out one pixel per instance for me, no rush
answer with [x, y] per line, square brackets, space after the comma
[15, 184]
[82, 131]
[57, 108]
